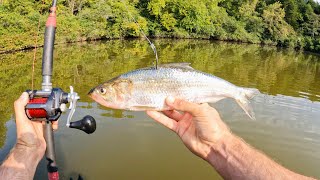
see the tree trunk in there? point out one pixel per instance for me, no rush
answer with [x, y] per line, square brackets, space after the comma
[71, 4]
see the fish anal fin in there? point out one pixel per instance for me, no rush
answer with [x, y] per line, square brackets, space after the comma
[245, 104]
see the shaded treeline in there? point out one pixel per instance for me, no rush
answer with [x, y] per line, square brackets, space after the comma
[288, 23]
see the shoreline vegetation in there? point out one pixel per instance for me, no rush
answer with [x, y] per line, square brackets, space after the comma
[285, 23]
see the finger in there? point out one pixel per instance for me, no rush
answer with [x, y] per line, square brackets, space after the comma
[161, 118]
[173, 114]
[206, 105]
[19, 107]
[182, 105]
[186, 116]
[55, 125]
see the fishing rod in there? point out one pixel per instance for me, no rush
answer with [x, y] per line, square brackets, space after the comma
[48, 103]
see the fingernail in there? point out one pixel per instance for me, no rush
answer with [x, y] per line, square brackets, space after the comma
[170, 100]
[154, 114]
[24, 96]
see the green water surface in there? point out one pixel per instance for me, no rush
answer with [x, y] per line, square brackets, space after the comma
[130, 145]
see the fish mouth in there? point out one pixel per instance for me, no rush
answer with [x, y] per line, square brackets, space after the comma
[91, 91]
[100, 100]
[96, 97]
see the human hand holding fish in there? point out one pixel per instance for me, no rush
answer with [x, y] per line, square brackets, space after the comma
[204, 133]
[198, 125]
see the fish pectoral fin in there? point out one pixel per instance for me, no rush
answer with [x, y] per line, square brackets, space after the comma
[178, 65]
[143, 108]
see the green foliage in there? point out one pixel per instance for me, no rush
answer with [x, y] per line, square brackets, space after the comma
[253, 22]
[289, 23]
[293, 16]
[194, 17]
[277, 28]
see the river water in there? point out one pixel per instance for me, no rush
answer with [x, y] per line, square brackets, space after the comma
[130, 145]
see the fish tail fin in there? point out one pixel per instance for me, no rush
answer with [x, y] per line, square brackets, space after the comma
[244, 103]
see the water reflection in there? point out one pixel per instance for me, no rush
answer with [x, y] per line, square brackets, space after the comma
[288, 111]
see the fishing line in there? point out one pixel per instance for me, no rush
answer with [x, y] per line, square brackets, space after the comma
[35, 50]
[144, 35]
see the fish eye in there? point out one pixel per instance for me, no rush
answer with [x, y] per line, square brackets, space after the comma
[103, 90]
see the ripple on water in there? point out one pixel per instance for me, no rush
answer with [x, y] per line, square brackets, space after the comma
[287, 111]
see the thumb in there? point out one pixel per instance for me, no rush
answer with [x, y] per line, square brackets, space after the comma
[19, 106]
[182, 105]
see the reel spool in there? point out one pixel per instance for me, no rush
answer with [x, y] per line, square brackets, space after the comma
[37, 113]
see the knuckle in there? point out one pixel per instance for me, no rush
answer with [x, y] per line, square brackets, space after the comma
[202, 110]
[182, 104]
[179, 103]
[197, 110]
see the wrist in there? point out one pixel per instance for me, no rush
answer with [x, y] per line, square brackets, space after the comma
[21, 163]
[31, 153]
[31, 145]
[218, 150]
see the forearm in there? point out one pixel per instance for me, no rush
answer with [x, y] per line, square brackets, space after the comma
[234, 159]
[20, 164]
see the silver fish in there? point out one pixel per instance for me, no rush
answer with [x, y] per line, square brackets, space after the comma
[146, 89]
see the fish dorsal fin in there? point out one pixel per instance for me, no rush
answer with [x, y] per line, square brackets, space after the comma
[177, 65]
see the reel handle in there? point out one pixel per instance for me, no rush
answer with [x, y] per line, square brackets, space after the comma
[86, 124]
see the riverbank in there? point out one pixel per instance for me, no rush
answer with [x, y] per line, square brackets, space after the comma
[288, 24]
[32, 47]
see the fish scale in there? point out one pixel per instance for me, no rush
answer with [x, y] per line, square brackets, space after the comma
[162, 83]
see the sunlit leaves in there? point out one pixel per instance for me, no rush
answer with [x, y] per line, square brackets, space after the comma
[156, 7]
[282, 23]
[278, 28]
[168, 21]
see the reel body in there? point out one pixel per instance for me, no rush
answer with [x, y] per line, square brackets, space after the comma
[46, 105]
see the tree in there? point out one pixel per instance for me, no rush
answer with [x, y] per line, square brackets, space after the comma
[292, 16]
[310, 25]
[232, 7]
[194, 17]
[278, 29]
[248, 15]
[313, 26]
